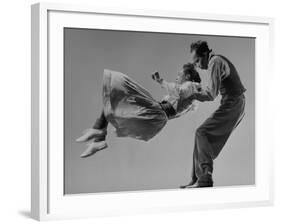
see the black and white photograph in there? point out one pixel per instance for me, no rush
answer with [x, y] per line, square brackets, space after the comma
[139, 112]
[153, 111]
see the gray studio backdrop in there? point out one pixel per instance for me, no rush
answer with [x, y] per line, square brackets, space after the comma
[165, 161]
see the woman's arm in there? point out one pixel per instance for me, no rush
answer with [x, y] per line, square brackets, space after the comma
[189, 89]
[185, 90]
[171, 88]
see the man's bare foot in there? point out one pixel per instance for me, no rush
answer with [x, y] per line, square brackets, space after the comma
[93, 148]
[91, 133]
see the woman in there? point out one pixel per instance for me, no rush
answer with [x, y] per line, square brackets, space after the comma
[132, 110]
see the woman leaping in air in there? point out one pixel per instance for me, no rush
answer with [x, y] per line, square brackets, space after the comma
[132, 110]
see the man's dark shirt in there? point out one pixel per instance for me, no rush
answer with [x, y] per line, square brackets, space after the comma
[223, 79]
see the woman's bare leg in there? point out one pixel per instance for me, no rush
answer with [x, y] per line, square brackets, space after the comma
[97, 132]
[101, 124]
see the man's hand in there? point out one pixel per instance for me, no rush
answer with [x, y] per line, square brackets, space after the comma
[157, 77]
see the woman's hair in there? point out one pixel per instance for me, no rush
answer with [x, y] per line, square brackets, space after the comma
[190, 69]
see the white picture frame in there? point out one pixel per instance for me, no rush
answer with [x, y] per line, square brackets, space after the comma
[48, 201]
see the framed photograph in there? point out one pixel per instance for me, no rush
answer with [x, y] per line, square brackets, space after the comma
[142, 111]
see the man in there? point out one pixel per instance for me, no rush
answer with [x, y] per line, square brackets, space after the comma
[212, 135]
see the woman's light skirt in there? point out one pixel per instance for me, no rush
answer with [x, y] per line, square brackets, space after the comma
[130, 108]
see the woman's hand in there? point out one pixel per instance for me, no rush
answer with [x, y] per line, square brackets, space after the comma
[198, 87]
[156, 77]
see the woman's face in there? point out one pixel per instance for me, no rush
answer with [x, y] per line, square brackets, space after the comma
[181, 78]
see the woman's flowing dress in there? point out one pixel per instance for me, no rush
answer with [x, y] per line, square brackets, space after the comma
[130, 108]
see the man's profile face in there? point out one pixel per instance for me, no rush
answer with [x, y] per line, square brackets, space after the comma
[199, 61]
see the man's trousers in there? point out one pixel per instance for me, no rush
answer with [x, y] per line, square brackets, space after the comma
[212, 135]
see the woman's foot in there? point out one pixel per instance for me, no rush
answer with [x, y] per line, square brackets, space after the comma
[93, 148]
[91, 133]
